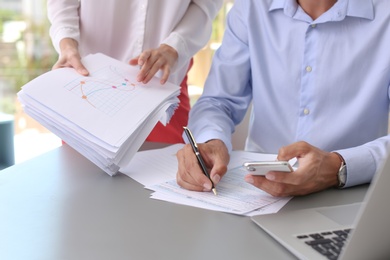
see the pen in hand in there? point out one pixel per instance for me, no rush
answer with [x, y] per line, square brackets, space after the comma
[202, 164]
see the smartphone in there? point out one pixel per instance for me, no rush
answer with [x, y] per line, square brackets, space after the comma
[262, 167]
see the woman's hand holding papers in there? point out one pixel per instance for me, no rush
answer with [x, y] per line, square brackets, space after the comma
[70, 57]
[151, 61]
[190, 175]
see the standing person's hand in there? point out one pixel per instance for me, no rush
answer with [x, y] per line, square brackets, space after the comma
[163, 58]
[190, 175]
[70, 57]
[317, 171]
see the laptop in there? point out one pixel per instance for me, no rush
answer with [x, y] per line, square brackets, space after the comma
[355, 231]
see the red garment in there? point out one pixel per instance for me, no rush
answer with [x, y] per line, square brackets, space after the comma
[172, 132]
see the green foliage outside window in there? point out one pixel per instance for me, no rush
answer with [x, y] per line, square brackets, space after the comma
[23, 58]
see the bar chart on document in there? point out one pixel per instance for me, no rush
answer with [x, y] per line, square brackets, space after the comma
[107, 89]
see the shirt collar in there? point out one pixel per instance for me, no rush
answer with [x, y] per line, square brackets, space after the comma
[361, 8]
[289, 6]
[343, 8]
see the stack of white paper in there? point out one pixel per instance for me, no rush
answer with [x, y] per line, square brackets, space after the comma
[105, 116]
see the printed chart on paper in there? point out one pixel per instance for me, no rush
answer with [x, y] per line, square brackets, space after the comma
[108, 89]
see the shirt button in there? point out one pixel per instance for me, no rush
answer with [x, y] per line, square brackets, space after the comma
[308, 69]
[306, 111]
[314, 25]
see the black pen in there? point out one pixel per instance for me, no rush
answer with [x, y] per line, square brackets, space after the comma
[192, 141]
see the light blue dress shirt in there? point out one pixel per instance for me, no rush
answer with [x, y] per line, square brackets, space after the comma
[325, 82]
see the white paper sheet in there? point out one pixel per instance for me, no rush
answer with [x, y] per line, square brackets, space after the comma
[156, 170]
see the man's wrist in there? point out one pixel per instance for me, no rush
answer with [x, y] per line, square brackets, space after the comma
[215, 141]
[342, 171]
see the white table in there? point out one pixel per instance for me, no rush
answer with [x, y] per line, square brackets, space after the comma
[61, 206]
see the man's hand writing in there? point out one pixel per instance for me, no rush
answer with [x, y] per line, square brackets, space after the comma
[190, 175]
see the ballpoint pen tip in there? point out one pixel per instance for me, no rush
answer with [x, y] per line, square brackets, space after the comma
[215, 191]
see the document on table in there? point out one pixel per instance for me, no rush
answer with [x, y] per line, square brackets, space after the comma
[105, 116]
[234, 194]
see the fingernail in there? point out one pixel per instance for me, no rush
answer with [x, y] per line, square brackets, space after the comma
[206, 186]
[270, 177]
[83, 71]
[216, 178]
[249, 179]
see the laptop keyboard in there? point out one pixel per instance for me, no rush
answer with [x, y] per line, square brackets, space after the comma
[327, 243]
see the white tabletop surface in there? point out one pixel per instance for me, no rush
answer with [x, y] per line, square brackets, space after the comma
[61, 206]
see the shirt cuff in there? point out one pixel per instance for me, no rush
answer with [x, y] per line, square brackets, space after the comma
[360, 165]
